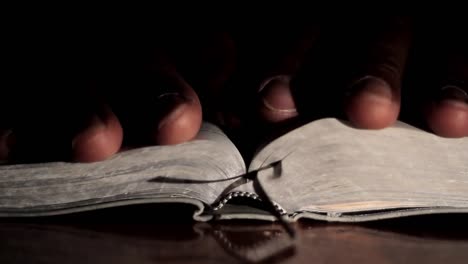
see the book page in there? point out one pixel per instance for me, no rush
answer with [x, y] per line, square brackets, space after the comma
[328, 166]
[54, 186]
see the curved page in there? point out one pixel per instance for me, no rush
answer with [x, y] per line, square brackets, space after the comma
[38, 189]
[332, 168]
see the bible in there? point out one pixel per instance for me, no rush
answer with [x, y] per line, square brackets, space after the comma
[324, 170]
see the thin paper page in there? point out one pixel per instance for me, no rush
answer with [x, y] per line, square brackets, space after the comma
[332, 167]
[128, 174]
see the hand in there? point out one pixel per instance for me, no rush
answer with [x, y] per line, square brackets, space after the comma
[369, 70]
[89, 96]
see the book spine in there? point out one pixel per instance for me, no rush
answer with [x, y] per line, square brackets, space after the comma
[249, 195]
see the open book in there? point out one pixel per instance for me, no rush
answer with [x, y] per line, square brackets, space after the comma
[324, 170]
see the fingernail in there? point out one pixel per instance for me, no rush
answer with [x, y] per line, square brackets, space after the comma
[372, 86]
[7, 141]
[170, 106]
[275, 94]
[453, 94]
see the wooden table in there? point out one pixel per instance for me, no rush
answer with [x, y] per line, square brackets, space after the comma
[140, 235]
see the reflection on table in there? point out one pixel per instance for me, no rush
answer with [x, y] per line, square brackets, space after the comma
[145, 237]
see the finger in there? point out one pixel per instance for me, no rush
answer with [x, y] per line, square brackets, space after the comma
[277, 103]
[154, 103]
[177, 115]
[49, 103]
[180, 112]
[100, 138]
[374, 97]
[203, 66]
[276, 100]
[96, 132]
[447, 113]
[269, 62]
[448, 116]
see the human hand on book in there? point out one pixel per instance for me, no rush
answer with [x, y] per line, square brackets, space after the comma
[95, 94]
[86, 99]
[372, 71]
[154, 94]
